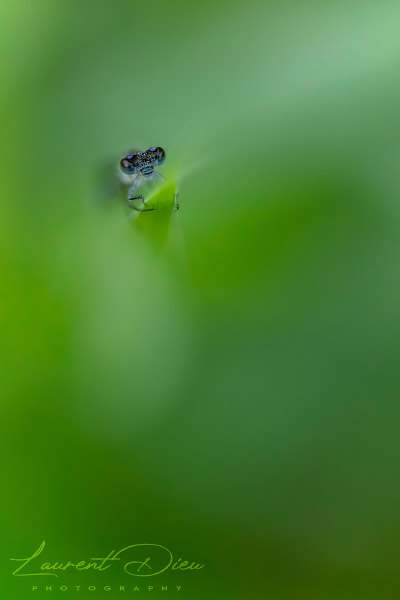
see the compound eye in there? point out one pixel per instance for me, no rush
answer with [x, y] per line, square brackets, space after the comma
[127, 165]
[160, 154]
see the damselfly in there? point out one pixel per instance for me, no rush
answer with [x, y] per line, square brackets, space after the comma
[139, 170]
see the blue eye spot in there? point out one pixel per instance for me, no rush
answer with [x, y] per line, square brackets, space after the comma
[127, 166]
[160, 153]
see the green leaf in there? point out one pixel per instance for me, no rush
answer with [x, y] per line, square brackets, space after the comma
[155, 216]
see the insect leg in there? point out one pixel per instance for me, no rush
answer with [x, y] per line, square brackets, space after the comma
[136, 201]
[176, 205]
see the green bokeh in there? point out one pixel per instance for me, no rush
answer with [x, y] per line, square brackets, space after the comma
[232, 394]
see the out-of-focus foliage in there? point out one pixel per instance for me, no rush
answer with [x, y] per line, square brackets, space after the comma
[234, 394]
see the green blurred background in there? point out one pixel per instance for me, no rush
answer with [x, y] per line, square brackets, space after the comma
[232, 395]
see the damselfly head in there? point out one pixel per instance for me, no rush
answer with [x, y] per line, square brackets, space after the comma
[141, 161]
